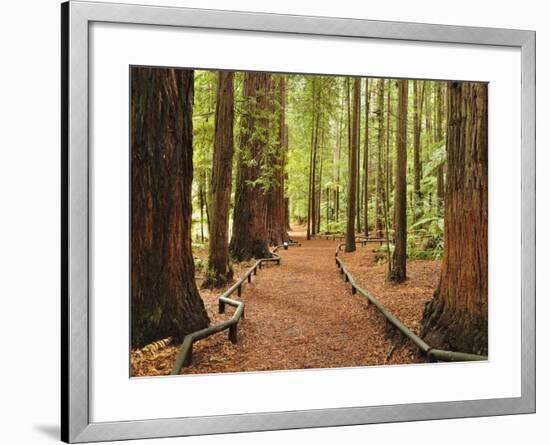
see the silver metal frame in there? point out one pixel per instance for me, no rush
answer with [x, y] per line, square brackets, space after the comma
[76, 18]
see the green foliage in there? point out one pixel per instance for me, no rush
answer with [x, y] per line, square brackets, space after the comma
[308, 98]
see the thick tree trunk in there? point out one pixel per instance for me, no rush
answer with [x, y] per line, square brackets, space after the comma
[249, 234]
[456, 317]
[219, 267]
[276, 215]
[164, 297]
[399, 266]
[352, 180]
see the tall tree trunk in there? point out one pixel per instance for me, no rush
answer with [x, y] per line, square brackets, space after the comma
[320, 182]
[358, 180]
[440, 89]
[310, 181]
[418, 105]
[366, 163]
[456, 317]
[277, 223]
[399, 266]
[314, 171]
[249, 234]
[219, 267]
[164, 297]
[201, 205]
[379, 184]
[313, 159]
[352, 180]
[388, 167]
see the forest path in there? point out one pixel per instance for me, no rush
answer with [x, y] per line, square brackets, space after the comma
[298, 315]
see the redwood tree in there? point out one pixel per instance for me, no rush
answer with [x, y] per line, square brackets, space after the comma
[399, 261]
[276, 210]
[379, 181]
[164, 297]
[366, 162]
[219, 268]
[353, 164]
[249, 235]
[456, 317]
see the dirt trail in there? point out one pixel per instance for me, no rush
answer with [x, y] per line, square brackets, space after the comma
[299, 315]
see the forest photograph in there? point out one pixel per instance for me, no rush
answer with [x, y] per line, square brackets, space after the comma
[297, 221]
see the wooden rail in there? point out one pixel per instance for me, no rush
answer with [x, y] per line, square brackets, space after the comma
[186, 351]
[341, 237]
[433, 354]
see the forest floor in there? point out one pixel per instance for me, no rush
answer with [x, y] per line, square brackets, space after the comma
[302, 315]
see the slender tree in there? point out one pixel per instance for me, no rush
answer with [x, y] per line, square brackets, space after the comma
[219, 267]
[456, 317]
[276, 213]
[352, 181]
[315, 116]
[399, 267]
[439, 92]
[249, 234]
[418, 102]
[164, 297]
[379, 181]
[366, 163]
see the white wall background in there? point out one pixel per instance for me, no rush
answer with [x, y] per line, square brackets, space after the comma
[29, 222]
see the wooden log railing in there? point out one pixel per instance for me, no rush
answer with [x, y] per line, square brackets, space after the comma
[186, 351]
[432, 353]
[341, 237]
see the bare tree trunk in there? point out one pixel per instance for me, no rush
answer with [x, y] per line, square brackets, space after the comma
[219, 267]
[358, 201]
[440, 88]
[456, 317]
[366, 163]
[399, 267]
[164, 297]
[418, 105]
[277, 223]
[249, 234]
[352, 181]
[379, 183]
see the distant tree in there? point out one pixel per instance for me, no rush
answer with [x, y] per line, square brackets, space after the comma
[164, 298]
[456, 317]
[219, 267]
[249, 235]
[399, 266]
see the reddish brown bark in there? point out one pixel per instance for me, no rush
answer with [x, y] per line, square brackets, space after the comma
[399, 261]
[457, 315]
[219, 267]
[366, 163]
[164, 298]
[249, 235]
[379, 196]
[353, 167]
[276, 210]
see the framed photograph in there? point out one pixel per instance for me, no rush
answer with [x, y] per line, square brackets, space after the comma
[275, 222]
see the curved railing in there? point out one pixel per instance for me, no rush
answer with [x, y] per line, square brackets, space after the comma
[434, 354]
[186, 351]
